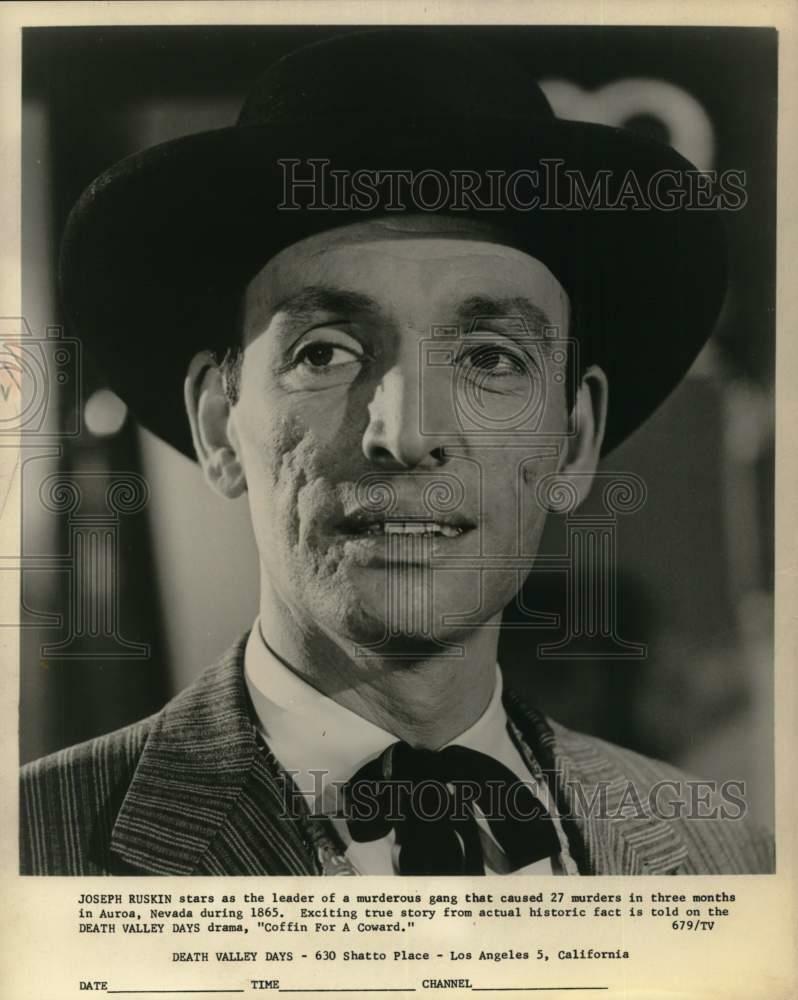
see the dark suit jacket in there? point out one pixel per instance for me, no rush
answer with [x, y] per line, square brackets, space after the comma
[191, 790]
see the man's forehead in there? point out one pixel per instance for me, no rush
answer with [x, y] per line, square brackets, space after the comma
[406, 262]
[410, 226]
[409, 238]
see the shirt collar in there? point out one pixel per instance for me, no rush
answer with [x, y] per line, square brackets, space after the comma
[308, 732]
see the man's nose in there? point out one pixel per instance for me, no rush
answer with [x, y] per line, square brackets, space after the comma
[404, 429]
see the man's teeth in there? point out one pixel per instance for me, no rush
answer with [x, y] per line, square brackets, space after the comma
[413, 528]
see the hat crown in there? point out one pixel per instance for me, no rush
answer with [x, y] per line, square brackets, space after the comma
[394, 75]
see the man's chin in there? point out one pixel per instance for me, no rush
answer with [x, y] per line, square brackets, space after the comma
[404, 618]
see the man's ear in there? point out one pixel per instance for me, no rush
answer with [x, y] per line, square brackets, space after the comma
[209, 415]
[588, 420]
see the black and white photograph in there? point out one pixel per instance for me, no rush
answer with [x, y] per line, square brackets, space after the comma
[397, 467]
[395, 484]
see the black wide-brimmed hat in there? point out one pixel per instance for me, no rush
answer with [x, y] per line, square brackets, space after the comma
[159, 248]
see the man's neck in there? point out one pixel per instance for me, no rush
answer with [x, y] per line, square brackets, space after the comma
[426, 700]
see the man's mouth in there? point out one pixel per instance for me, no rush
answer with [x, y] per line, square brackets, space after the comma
[413, 528]
[361, 525]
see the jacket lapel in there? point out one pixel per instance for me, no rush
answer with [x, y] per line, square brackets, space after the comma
[602, 806]
[205, 794]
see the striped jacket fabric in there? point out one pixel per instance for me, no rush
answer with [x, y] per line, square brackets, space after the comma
[192, 790]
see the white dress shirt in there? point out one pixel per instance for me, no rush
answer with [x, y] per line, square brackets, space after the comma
[322, 744]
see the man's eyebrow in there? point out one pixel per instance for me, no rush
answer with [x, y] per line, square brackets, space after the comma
[325, 298]
[510, 308]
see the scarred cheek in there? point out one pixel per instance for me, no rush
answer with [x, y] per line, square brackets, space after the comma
[301, 479]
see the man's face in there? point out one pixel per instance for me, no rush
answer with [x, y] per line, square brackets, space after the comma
[398, 403]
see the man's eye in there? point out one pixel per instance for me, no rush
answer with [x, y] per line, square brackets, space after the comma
[331, 352]
[493, 360]
[324, 355]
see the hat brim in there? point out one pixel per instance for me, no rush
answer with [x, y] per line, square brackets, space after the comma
[158, 250]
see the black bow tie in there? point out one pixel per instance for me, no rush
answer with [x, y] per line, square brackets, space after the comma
[427, 797]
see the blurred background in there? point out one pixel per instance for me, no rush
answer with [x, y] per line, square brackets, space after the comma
[170, 570]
